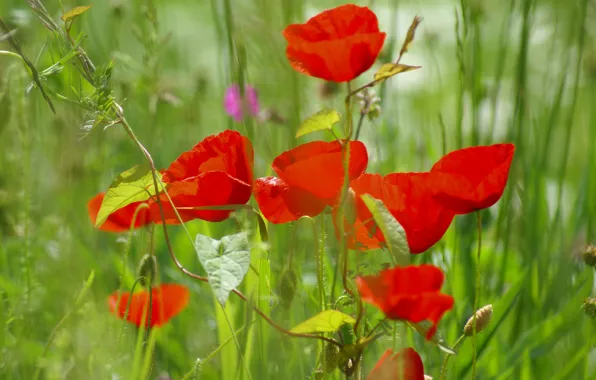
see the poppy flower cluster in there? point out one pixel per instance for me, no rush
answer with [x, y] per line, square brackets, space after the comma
[223, 162]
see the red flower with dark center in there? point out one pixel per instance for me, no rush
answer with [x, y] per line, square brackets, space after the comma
[120, 220]
[216, 172]
[310, 177]
[472, 179]
[408, 196]
[337, 45]
[409, 293]
[403, 365]
[167, 300]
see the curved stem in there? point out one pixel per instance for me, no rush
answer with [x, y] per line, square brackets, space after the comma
[477, 296]
[447, 356]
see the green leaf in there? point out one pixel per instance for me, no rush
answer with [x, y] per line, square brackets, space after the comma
[133, 185]
[75, 12]
[390, 69]
[422, 329]
[226, 262]
[325, 321]
[322, 120]
[394, 233]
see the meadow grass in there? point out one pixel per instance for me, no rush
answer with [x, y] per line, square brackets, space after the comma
[522, 71]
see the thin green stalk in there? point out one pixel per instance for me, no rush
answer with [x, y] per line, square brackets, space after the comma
[477, 294]
[447, 356]
[236, 341]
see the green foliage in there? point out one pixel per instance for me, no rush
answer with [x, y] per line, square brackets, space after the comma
[320, 121]
[325, 321]
[226, 262]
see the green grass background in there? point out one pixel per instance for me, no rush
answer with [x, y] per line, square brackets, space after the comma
[493, 71]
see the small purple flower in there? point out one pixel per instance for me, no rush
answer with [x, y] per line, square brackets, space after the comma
[235, 105]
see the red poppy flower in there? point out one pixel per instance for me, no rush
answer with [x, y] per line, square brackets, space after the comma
[167, 300]
[216, 172]
[409, 293]
[361, 231]
[408, 196]
[403, 365]
[310, 178]
[336, 45]
[120, 220]
[473, 178]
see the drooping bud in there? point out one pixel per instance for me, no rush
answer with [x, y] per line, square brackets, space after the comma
[589, 307]
[147, 270]
[589, 255]
[483, 317]
[331, 357]
[287, 288]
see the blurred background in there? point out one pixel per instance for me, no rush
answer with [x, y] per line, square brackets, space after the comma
[492, 71]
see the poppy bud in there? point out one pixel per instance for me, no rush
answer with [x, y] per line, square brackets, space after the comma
[589, 255]
[331, 357]
[147, 270]
[483, 317]
[589, 307]
[287, 287]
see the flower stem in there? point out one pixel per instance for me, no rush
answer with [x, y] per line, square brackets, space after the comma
[447, 356]
[477, 296]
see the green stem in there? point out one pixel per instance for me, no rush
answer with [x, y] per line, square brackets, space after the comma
[447, 356]
[477, 295]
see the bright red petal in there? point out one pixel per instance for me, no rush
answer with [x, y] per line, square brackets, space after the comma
[281, 203]
[403, 365]
[473, 178]
[337, 45]
[167, 301]
[120, 220]
[409, 198]
[409, 293]
[361, 231]
[317, 167]
[213, 188]
[228, 152]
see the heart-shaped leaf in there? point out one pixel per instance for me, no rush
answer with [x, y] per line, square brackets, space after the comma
[226, 262]
[322, 120]
[325, 321]
[133, 185]
[394, 233]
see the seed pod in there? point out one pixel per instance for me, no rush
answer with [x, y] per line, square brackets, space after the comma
[589, 307]
[483, 317]
[147, 270]
[589, 255]
[287, 288]
[331, 357]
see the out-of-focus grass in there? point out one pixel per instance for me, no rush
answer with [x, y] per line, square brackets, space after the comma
[522, 71]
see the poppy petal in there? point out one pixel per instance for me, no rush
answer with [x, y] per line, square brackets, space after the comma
[403, 365]
[474, 178]
[228, 152]
[337, 45]
[167, 301]
[213, 188]
[409, 198]
[121, 219]
[317, 167]
[281, 203]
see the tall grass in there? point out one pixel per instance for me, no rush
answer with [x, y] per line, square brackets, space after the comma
[521, 71]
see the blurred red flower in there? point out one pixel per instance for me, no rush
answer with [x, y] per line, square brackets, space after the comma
[216, 172]
[167, 300]
[310, 177]
[337, 45]
[473, 178]
[403, 365]
[409, 293]
[120, 220]
[408, 197]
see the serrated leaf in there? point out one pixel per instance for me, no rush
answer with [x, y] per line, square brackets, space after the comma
[390, 69]
[226, 262]
[75, 12]
[325, 321]
[133, 185]
[321, 120]
[394, 233]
